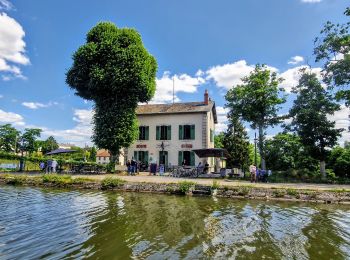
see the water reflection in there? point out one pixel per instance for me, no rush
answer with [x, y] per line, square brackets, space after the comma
[39, 223]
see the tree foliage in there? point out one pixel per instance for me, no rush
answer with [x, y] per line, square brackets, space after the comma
[309, 117]
[333, 47]
[339, 161]
[257, 101]
[29, 138]
[9, 137]
[114, 70]
[219, 140]
[49, 145]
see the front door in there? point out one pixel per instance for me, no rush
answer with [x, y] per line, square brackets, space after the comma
[163, 158]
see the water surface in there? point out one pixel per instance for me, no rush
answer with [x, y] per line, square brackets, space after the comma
[59, 224]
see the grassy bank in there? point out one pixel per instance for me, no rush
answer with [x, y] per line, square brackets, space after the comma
[182, 187]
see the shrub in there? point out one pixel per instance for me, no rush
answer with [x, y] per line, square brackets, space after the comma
[243, 191]
[111, 182]
[292, 192]
[279, 193]
[215, 185]
[185, 186]
[59, 180]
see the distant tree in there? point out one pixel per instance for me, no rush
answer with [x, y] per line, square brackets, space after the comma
[29, 138]
[93, 153]
[257, 101]
[114, 70]
[333, 47]
[285, 151]
[339, 161]
[218, 140]
[49, 144]
[309, 118]
[236, 142]
[9, 138]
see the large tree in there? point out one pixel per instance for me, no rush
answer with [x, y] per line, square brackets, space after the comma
[257, 101]
[114, 70]
[9, 138]
[49, 144]
[333, 48]
[236, 142]
[29, 138]
[309, 117]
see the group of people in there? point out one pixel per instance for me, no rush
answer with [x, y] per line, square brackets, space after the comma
[257, 174]
[134, 166]
[50, 166]
[203, 168]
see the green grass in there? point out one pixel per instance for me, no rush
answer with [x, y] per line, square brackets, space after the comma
[82, 180]
[215, 185]
[292, 192]
[185, 186]
[15, 179]
[279, 193]
[59, 180]
[111, 182]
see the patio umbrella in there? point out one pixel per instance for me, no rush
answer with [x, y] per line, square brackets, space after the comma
[60, 150]
[211, 152]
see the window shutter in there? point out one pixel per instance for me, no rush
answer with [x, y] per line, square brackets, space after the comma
[192, 158]
[146, 132]
[169, 132]
[181, 132]
[180, 158]
[146, 157]
[135, 155]
[193, 132]
[158, 132]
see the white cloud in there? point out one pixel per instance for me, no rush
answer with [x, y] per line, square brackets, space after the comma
[5, 5]
[221, 113]
[342, 120]
[311, 1]
[228, 75]
[295, 60]
[11, 118]
[78, 135]
[36, 105]
[183, 83]
[291, 77]
[12, 47]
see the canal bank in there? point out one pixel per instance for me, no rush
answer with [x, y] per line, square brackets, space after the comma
[321, 193]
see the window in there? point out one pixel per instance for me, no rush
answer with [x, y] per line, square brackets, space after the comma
[163, 132]
[186, 132]
[211, 135]
[187, 158]
[143, 133]
[141, 156]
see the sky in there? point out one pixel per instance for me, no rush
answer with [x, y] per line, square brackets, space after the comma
[201, 44]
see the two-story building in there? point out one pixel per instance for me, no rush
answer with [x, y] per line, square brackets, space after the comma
[169, 132]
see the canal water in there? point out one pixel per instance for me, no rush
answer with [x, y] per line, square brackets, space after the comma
[40, 223]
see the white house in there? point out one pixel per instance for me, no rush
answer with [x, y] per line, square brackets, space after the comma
[169, 132]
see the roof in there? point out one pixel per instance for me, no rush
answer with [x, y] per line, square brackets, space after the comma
[102, 153]
[177, 108]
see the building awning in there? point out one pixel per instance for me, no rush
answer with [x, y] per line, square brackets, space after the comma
[211, 152]
[61, 150]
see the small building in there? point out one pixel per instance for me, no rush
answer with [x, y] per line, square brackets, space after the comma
[103, 156]
[169, 132]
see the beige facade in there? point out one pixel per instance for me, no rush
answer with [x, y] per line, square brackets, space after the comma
[185, 126]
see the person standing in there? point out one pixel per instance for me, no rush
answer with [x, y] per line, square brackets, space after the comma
[54, 166]
[128, 165]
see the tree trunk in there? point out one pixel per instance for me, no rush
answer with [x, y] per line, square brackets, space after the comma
[323, 169]
[261, 147]
[114, 157]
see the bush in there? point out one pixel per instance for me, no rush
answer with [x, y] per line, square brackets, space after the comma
[110, 167]
[111, 182]
[292, 192]
[243, 191]
[185, 186]
[279, 193]
[215, 185]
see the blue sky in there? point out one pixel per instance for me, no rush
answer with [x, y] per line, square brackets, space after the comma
[202, 44]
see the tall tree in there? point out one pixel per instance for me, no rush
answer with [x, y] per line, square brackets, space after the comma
[28, 139]
[257, 101]
[114, 70]
[93, 154]
[219, 140]
[236, 142]
[49, 144]
[9, 138]
[333, 47]
[309, 117]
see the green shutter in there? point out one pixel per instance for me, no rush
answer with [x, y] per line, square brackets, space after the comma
[158, 132]
[193, 132]
[181, 132]
[135, 155]
[169, 132]
[192, 159]
[146, 132]
[146, 157]
[180, 158]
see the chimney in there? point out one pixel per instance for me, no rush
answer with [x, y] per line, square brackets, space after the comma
[206, 97]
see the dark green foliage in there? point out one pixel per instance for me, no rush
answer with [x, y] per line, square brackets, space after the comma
[237, 144]
[49, 145]
[93, 154]
[309, 118]
[185, 186]
[113, 69]
[29, 138]
[9, 138]
[333, 48]
[339, 161]
[285, 151]
[218, 140]
[257, 101]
